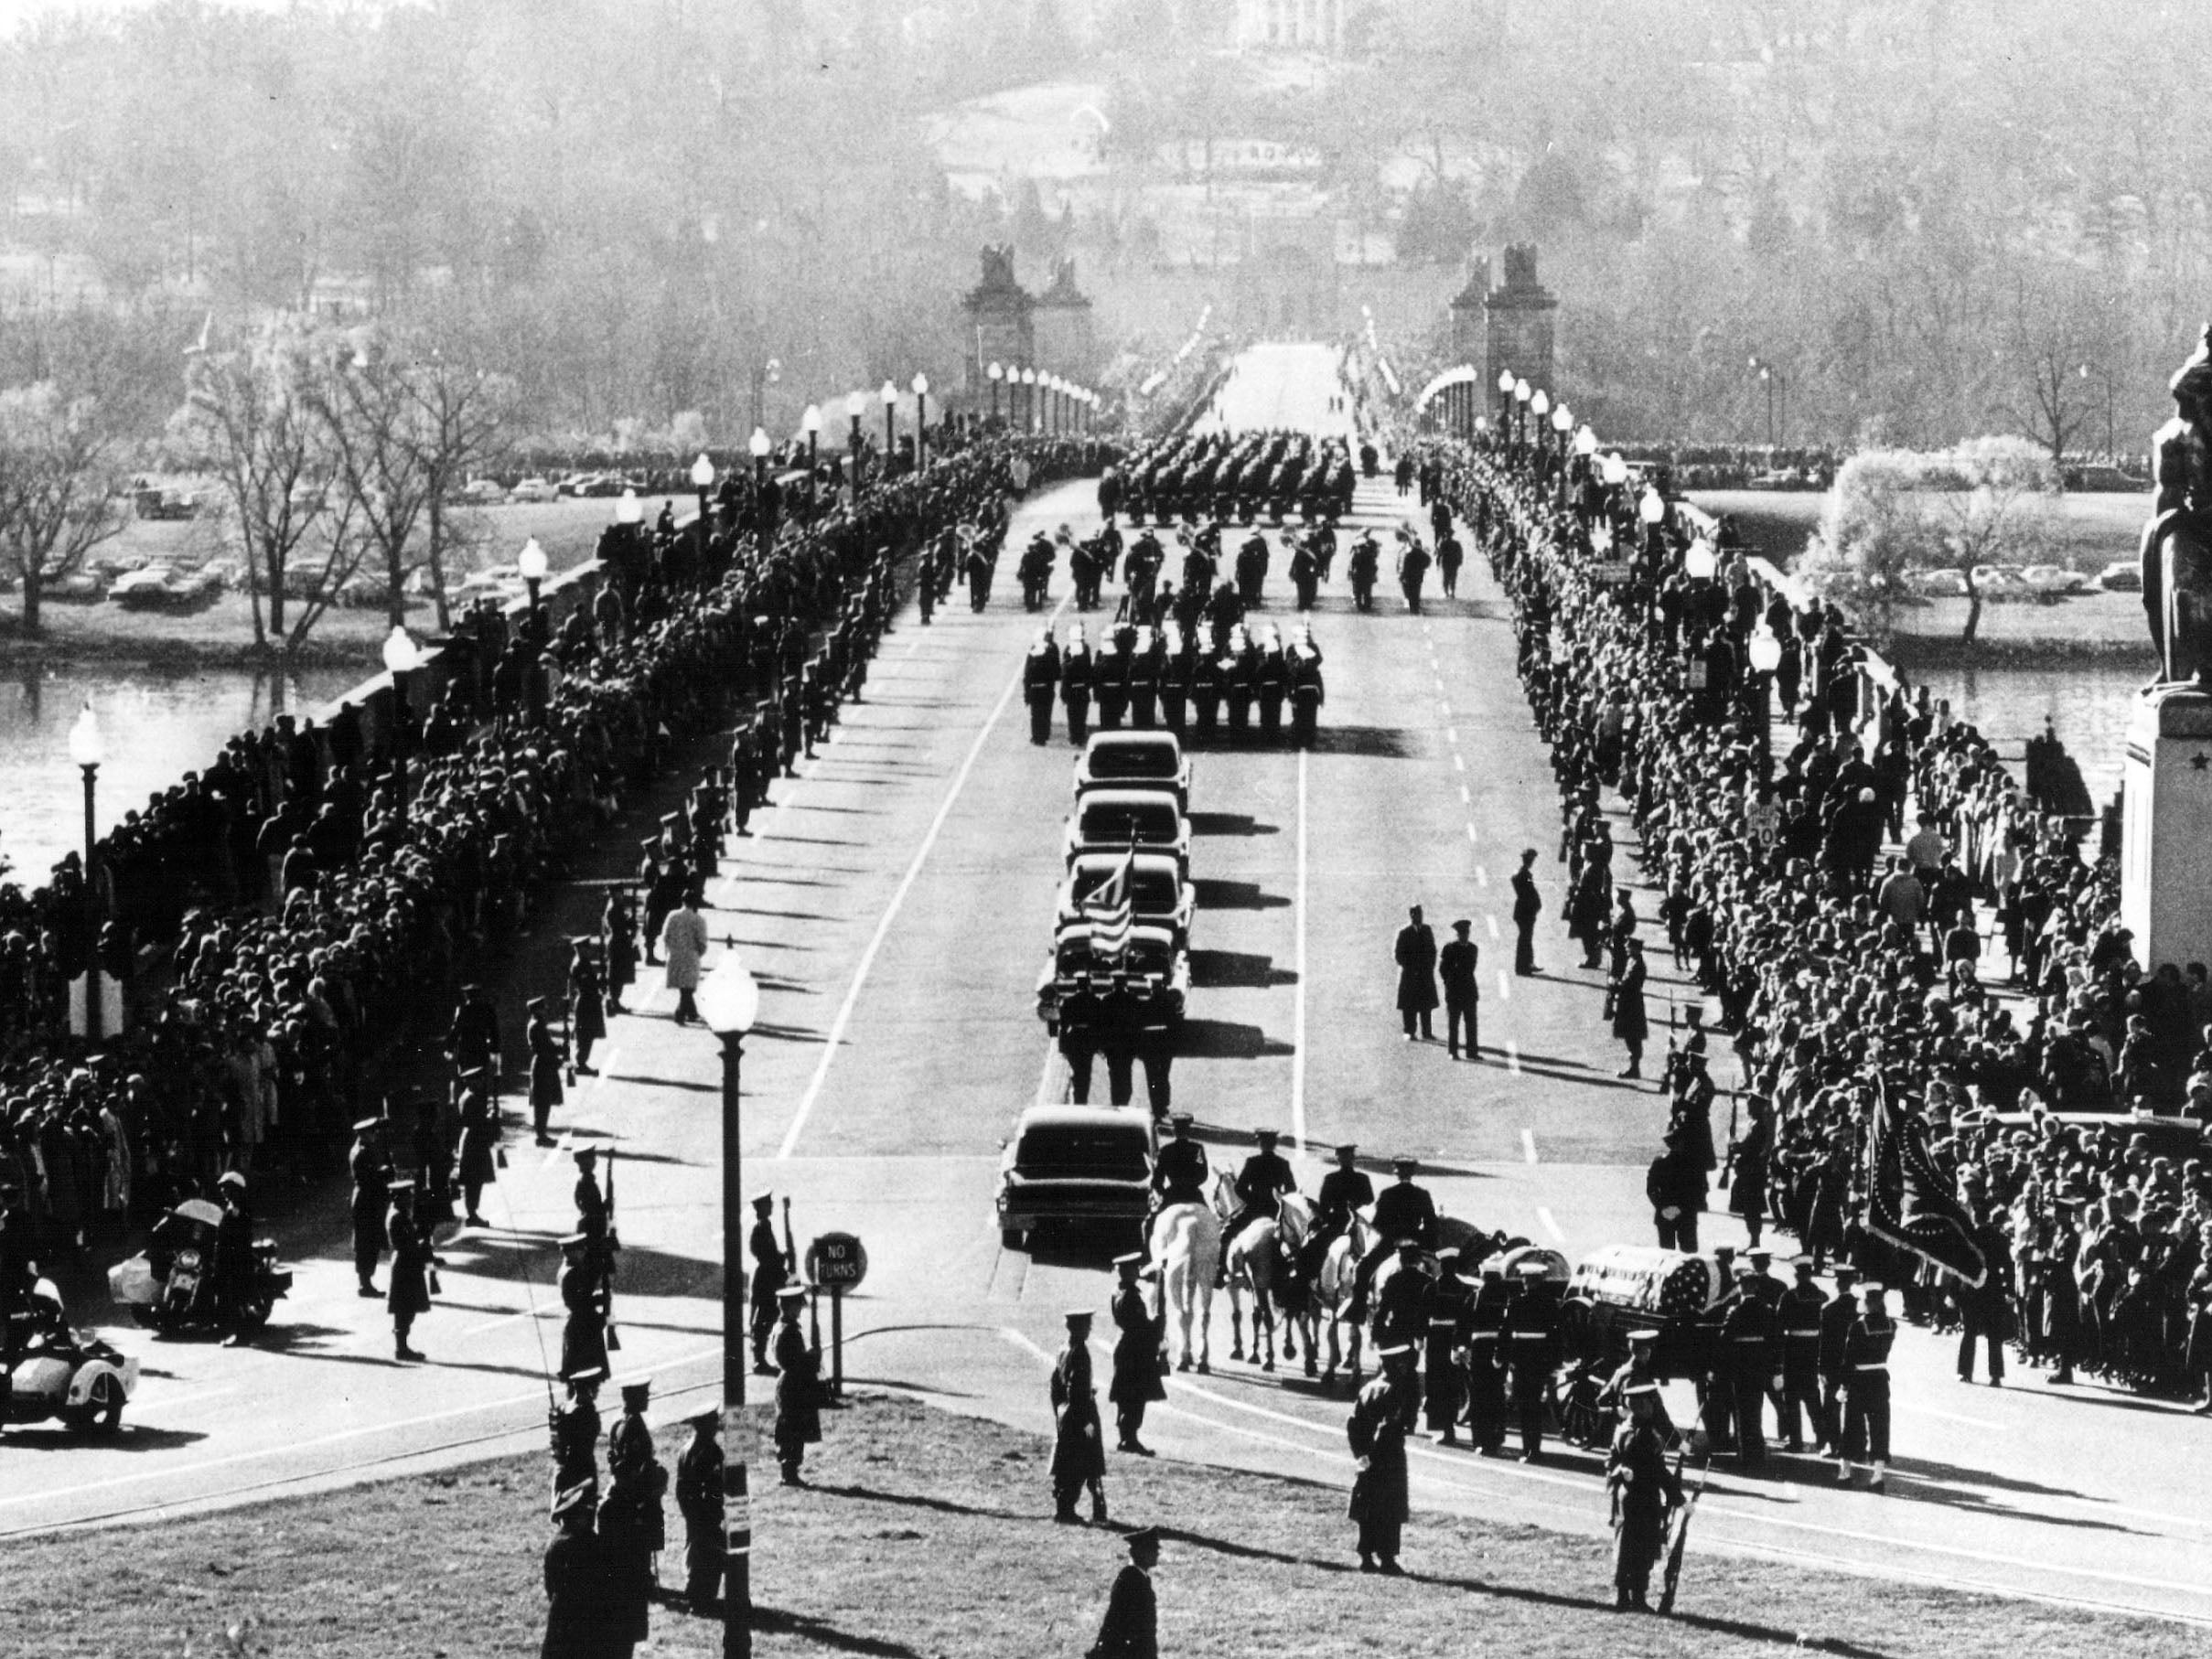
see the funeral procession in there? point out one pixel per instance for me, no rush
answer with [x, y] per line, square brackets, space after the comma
[1104, 828]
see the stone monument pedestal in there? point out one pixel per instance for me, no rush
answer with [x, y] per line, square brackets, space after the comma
[2165, 858]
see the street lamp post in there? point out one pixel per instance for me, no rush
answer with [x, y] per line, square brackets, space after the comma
[402, 658]
[890, 397]
[768, 374]
[1505, 398]
[1522, 394]
[1028, 402]
[757, 446]
[1767, 379]
[857, 405]
[1766, 654]
[88, 749]
[702, 480]
[994, 374]
[729, 1002]
[921, 420]
[812, 424]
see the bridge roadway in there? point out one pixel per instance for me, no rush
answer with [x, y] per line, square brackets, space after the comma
[895, 903]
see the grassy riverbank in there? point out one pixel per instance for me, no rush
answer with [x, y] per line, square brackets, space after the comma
[930, 1534]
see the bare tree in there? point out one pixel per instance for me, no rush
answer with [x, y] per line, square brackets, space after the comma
[59, 474]
[250, 417]
[369, 415]
[458, 425]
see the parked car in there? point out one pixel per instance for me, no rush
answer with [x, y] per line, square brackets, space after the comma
[2052, 582]
[1111, 820]
[1157, 893]
[2001, 581]
[1140, 760]
[1944, 584]
[1073, 1165]
[1160, 972]
[84, 588]
[151, 502]
[532, 490]
[482, 492]
[2120, 576]
[163, 590]
[576, 484]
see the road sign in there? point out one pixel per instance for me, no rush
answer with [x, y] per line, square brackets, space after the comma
[837, 1261]
[1764, 819]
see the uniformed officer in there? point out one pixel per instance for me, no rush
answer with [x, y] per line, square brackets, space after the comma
[1179, 1174]
[585, 1295]
[1837, 1316]
[413, 1266]
[1040, 683]
[1382, 1418]
[1749, 1331]
[1866, 1390]
[1401, 1211]
[1131, 1629]
[1799, 1310]
[1445, 1305]
[573, 1427]
[1344, 1190]
[699, 1501]
[1643, 1489]
[1400, 1307]
[1265, 1177]
[1138, 1331]
[1640, 1366]
[1074, 685]
[1485, 1364]
[1530, 1340]
[580, 1620]
[798, 1387]
[371, 1164]
[1078, 1451]
[632, 1529]
[771, 1270]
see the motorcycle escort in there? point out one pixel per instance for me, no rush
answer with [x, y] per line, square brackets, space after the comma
[63, 1373]
[172, 1285]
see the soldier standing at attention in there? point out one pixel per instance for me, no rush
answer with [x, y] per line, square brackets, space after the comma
[1527, 905]
[1530, 1340]
[1136, 1354]
[370, 1164]
[1457, 965]
[1040, 682]
[413, 1268]
[699, 1501]
[1446, 1305]
[584, 1294]
[797, 1389]
[1131, 1629]
[1079, 1453]
[631, 1527]
[1837, 1315]
[573, 1429]
[579, 1615]
[1382, 1418]
[1644, 1488]
[1866, 1391]
[771, 1272]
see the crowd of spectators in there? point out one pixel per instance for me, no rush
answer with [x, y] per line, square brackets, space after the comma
[282, 919]
[1848, 961]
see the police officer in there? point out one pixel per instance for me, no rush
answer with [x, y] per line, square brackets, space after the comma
[1798, 1312]
[771, 1271]
[370, 1163]
[1531, 1341]
[1138, 1331]
[699, 1502]
[1264, 1178]
[1179, 1174]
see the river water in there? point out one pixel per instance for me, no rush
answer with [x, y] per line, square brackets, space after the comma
[156, 727]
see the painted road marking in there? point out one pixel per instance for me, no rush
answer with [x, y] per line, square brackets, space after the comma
[1489, 921]
[1528, 1137]
[1481, 876]
[1453, 733]
[559, 1149]
[1464, 798]
[1460, 765]
[1505, 986]
[1471, 841]
[1551, 1224]
[1513, 1056]
[1445, 706]
[1298, 999]
[883, 928]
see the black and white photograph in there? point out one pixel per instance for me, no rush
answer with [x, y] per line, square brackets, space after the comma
[1105, 828]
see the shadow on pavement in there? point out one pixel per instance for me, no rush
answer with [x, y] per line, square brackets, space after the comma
[1214, 893]
[1377, 742]
[1225, 1040]
[1229, 823]
[135, 1437]
[1217, 969]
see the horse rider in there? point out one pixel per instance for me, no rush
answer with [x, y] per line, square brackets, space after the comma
[1345, 1191]
[1402, 1211]
[1265, 1177]
[1179, 1174]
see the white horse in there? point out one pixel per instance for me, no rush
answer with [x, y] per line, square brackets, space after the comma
[1333, 1291]
[1187, 1244]
[1262, 1263]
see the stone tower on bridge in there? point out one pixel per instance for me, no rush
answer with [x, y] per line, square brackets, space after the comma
[1520, 323]
[1001, 324]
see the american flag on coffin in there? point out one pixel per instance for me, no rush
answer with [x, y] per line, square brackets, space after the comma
[1110, 911]
[1907, 1201]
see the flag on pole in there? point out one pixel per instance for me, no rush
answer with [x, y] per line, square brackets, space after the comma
[1110, 911]
[1907, 1201]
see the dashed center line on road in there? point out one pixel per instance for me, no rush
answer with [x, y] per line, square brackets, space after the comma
[1550, 1222]
[1528, 1137]
[1488, 921]
[1505, 986]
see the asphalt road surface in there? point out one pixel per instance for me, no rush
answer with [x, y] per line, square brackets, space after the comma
[896, 904]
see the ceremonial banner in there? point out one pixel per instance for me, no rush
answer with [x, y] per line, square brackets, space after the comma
[1907, 1201]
